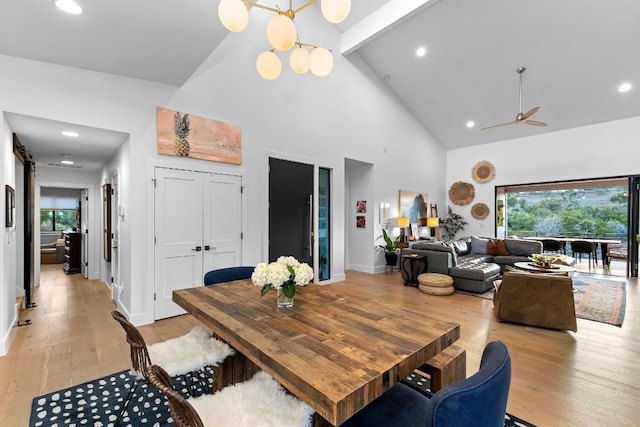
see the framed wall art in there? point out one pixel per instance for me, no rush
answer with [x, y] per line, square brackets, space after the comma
[10, 205]
[186, 135]
[361, 206]
[413, 205]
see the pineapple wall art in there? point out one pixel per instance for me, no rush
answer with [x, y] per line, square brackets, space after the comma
[185, 135]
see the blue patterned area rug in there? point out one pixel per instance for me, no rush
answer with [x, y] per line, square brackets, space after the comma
[97, 403]
[422, 384]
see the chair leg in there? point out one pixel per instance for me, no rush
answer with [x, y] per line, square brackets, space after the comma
[126, 402]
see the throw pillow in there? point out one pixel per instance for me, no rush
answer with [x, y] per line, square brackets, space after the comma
[461, 247]
[451, 246]
[496, 247]
[478, 245]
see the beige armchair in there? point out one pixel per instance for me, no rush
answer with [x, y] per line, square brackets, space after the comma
[544, 300]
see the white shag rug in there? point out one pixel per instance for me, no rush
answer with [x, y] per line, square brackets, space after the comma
[189, 352]
[258, 402]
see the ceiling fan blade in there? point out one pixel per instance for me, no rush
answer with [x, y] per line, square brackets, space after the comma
[513, 122]
[535, 123]
[529, 113]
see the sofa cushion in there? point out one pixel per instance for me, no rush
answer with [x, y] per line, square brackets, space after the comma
[480, 271]
[496, 247]
[479, 245]
[461, 246]
[431, 247]
[473, 259]
[523, 247]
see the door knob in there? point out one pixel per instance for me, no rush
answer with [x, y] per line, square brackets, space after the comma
[197, 248]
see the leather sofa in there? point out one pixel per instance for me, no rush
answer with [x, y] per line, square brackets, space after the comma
[544, 300]
[471, 262]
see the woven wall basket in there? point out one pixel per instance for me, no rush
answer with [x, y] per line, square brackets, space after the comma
[461, 193]
[479, 211]
[483, 172]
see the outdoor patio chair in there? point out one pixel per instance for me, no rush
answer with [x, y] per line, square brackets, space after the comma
[551, 245]
[579, 247]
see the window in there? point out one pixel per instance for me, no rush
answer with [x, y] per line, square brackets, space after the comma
[588, 209]
[59, 213]
[58, 219]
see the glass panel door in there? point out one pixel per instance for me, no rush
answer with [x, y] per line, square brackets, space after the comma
[324, 271]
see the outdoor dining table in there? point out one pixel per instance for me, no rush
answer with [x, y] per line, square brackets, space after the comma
[337, 348]
[604, 244]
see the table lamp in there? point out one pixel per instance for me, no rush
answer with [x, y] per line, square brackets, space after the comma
[403, 223]
[434, 223]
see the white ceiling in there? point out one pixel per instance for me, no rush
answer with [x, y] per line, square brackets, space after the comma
[576, 53]
[90, 151]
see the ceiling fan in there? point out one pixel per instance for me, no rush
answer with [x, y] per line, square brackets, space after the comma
[521, 117]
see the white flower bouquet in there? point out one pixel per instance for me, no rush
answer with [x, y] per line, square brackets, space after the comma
[286, 273]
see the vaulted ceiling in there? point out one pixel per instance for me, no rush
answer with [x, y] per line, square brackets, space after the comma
[576, 54]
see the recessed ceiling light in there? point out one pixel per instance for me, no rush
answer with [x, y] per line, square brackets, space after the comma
[68, 6]
[470, 124]
[66, 162]
[421, 51]
[70, 133]
[624, 87]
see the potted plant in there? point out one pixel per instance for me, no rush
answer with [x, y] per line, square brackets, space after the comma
[451, 224]
[390, 248]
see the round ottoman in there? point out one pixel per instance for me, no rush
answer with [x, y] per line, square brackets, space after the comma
[435, 284]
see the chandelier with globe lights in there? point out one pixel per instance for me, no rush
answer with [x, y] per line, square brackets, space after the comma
[283, 35]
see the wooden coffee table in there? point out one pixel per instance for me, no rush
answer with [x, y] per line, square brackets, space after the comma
[557, 268]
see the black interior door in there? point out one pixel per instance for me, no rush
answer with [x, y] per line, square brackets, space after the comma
[290, 210]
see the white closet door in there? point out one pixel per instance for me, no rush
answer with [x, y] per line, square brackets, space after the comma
[198, 227]
[222, 231]
[178, 226]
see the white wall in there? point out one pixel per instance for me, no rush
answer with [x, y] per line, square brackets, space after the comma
[602, 150]
[8, 246]
[359, 186]
[120, 165]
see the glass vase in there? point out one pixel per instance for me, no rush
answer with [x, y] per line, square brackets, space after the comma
[282, 300]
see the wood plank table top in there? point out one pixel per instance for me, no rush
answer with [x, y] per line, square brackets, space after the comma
[337, 349]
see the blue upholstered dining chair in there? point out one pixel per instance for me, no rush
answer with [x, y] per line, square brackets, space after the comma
[229, 274]
[480, 400]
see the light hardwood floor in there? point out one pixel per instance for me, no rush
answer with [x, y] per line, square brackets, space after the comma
[588, 378]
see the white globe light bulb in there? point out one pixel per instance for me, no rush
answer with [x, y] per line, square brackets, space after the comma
[233, 14]
[268, 65]
[281, 33]
[299, 60]
[321, 61]
[335, 11]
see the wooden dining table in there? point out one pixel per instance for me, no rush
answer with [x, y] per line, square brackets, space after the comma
[337, 348]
